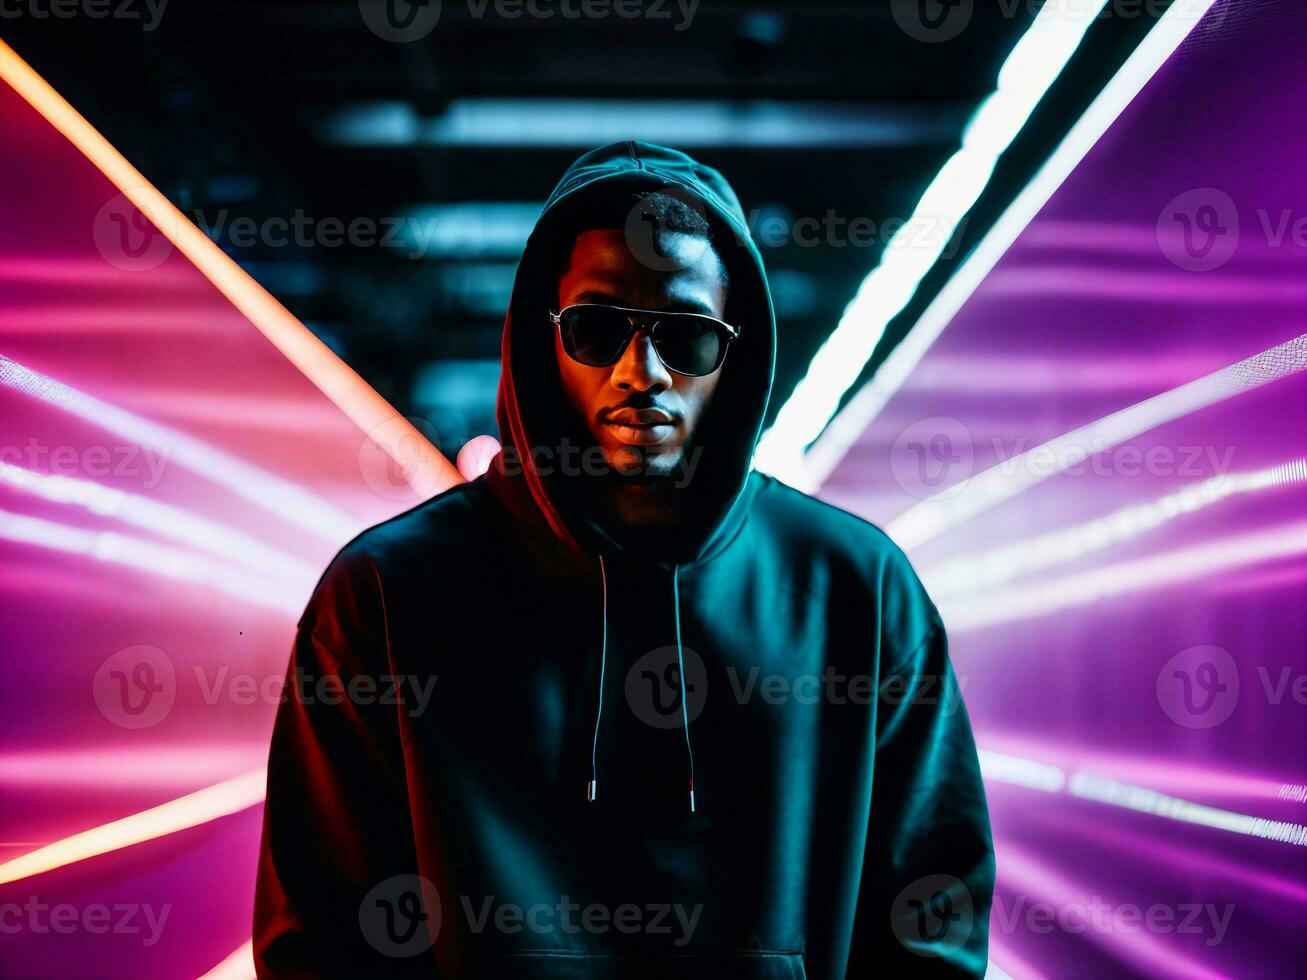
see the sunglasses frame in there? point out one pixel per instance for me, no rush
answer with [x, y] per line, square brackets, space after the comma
[731, 333]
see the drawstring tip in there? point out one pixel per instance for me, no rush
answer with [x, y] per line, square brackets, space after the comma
[592, 786]
[692, 797]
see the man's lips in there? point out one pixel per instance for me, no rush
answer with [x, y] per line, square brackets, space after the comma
[640, 427]
[638, 416]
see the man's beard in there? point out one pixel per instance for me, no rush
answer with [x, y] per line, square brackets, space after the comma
[653, 471]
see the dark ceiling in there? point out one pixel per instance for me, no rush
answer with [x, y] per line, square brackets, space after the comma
[264, 110]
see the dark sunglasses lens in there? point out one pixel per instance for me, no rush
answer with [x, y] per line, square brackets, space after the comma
[689, 344]
[594, 335]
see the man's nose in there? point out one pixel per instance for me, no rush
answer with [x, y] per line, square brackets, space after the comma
[639, 368]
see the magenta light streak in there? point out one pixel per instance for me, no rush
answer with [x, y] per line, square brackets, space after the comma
[1072, 608]
[1025, 878]
[264, 479]
[1167, 775]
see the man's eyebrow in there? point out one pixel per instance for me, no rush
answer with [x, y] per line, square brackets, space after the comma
[597, 296]
[676, 306]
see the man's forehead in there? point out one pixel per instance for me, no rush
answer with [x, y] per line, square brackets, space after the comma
[603, 260]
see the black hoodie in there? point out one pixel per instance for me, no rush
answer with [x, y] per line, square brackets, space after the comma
[742, 754]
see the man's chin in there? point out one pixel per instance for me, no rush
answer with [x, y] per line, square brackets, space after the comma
[643, 463]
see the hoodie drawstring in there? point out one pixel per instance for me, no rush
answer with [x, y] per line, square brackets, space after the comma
[592, 790]
[680, 671]
[599, 713]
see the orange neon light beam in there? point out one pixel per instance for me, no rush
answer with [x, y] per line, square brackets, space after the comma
[428, 471]
[220, 800]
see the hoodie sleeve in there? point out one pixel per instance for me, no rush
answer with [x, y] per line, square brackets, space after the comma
[928, 868]
[336, 827]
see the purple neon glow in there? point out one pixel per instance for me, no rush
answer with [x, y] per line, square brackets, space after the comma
[1105, 591]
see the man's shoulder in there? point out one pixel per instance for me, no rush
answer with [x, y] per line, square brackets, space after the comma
[849, 546]
[408, 546]
[447, 523]
[811, 523]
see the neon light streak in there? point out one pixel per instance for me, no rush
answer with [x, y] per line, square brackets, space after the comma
[171, 522]
[1103, 789]
[1134, 577]
[1027, 875]
[220, 800]
[1005, 480]
[259, 487]
[239, 965]
[350, 393]
[825, 454]
[155, 559]
[961, 575]
[1029, 774]
[1032, 66]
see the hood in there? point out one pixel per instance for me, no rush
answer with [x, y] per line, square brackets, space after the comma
[535, 422]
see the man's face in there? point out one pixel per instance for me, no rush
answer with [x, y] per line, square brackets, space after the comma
[641, 415]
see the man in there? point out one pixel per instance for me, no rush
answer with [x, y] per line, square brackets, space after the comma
[683, 721]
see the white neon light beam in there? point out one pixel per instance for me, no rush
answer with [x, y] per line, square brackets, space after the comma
[934, 515]
[1165, 570]
[261, 488]
[817, 397]
[983, 570]
[164, 519]
[156, 559]
[1029, 774]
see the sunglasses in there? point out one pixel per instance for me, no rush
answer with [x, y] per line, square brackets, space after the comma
[692, 344]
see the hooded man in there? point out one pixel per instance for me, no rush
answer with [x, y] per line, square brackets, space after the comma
[653, 714]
